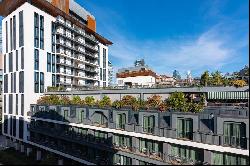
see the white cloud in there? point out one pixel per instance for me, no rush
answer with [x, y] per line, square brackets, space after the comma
[209, 50]
[215, 48]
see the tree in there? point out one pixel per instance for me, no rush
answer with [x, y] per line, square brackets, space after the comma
[205, 78]
[239, 83]
[217, 78]
[177, 101]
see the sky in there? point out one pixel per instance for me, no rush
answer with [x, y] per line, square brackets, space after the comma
[195, 35]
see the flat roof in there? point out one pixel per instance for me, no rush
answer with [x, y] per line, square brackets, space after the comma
[158, 90]
[8, 6]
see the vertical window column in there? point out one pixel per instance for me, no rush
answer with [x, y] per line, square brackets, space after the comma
[36, 64]
[48, 62]
[16, 60]
[6, 35]
[11, 35]
[22, 58]
[21, 31]
[14, 32]
[41, 82]
[41, 32]
[36, 82]
[36, 30]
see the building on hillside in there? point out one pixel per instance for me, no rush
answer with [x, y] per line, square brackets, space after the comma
[139, 75]
[46, 43]
[165, 80]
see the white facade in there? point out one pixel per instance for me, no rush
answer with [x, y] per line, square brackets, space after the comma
[74, 64]
[138, 80]
[103, 65]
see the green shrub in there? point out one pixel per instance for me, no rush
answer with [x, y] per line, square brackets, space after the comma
[76, 100]
[90, 101]
[105, 102]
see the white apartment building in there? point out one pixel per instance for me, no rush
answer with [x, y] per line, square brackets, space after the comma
[139, 75]
[46, 46]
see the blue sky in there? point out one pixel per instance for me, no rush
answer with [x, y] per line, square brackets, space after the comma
[194, 35]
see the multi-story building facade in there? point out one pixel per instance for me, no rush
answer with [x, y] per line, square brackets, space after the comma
[46, 43]
[219, 135]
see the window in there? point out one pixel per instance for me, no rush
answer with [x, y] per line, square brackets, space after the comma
[80, 116]
[10, 104]
[6, 124]
[149, 146]
[148, 124]
[14, 32]
[16, 60]
[4, 104]
[100, 136]
[36, 30]
[11, 83]
[48, 62]
[11, 35]
[235, 134]
[100, 73]
[104, 74]
[36, 82]
[41, 82]
[4, 69]
[99, 118]
[21, 32]
[185, 128]
[14, 126]
[6, 35]
[53, 80]
[41, 32]
[21, 82]
[36, 65]
[53, 38]
[66, 114]
[14, 82]
[21, 124]
[122, 141]
[22, 104]
[121, 160]
[6, 83]
[16, 104]
[120, 121]
[99, 57]
[187, 153]
[10, 62]
[22, 58]
[53, 63]
[229, 159]
[104, 58]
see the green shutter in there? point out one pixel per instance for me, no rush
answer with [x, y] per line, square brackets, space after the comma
[145, 123]
[188, 128]
[180, 127]
[118, 122]
[227, 132]
[217, 158]
[123, 121]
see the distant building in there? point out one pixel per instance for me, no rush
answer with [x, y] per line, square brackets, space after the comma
[165, 80]
[176, 75]
[139, 75]
[110, 73]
